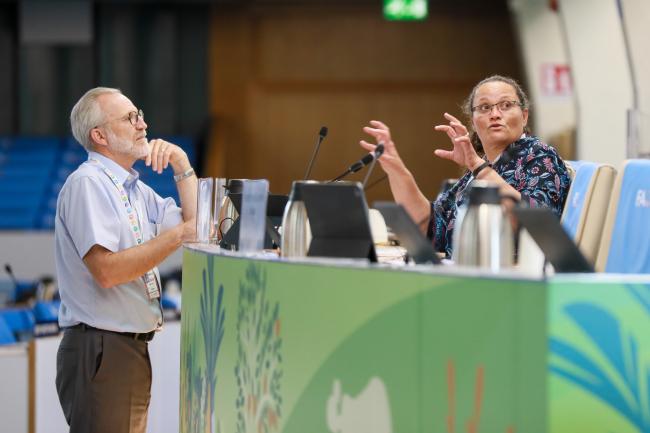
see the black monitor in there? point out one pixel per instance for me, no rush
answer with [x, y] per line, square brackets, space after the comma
[274, 206]
[274, 211]
[558, 247]
[338, 218]
[419, 248]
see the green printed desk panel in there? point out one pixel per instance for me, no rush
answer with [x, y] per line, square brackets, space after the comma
[599, 357]
[271, 346]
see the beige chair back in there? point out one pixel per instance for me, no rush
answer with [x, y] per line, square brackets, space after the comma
[587, 206]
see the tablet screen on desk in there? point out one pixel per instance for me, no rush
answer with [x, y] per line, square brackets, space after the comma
[410, 237]
[558, 247]
[338, 218]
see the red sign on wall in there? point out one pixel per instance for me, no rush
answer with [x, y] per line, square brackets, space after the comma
[556, 80]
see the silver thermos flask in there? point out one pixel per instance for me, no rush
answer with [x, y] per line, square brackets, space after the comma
[296, 233]
[484, 237]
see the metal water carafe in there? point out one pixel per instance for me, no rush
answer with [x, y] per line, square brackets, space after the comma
[296, 233]
[484, 238]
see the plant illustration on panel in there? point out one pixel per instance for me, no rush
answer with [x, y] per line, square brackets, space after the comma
[200, 372]
[258, 370]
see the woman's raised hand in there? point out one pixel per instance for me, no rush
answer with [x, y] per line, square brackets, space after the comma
[463, 152]
[390, 159]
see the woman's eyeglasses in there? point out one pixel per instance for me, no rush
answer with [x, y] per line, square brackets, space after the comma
[502, 106]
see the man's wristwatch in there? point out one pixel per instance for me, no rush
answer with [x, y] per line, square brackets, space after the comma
[187, 173]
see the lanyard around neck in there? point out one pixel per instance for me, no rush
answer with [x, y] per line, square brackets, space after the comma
[131, 213]
[134, 223]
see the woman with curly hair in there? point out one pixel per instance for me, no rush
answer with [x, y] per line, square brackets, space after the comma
[497, 148]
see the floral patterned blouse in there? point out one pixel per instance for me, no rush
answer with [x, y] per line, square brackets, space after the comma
[530, 166]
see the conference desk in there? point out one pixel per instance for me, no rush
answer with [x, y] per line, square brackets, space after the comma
[270, 345]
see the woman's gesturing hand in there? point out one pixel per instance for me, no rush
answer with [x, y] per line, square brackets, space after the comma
[390, 159]
[463, 152]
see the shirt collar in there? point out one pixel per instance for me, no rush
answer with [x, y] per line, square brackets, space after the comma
[499, 156]
[128, 178]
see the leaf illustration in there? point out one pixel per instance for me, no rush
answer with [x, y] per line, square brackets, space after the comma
[212, 328]
[641, 292]
[621, 352]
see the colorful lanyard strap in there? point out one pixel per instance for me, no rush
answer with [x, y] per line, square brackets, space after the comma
[150, 277]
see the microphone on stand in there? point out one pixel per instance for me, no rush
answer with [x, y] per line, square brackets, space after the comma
[9, 270]
[321, 136]
[12, 277]
[361, 163]
[379, 150]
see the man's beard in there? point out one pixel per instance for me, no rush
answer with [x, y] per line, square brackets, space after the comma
[126, 147]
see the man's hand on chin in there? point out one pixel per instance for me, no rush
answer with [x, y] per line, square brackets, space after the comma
[162, 153]
[146, 157]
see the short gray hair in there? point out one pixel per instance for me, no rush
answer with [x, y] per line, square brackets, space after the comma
[87, 114]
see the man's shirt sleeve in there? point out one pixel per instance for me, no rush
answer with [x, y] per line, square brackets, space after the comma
[90, 216]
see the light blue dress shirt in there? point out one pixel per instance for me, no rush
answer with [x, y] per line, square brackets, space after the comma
[89, 212]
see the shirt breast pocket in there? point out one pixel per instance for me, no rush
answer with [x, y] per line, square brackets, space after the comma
[153, 226]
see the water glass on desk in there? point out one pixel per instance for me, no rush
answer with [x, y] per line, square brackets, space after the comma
[210, 197]
[204, 207]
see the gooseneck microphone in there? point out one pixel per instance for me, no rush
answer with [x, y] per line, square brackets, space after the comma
[379, 150]
[321, 136]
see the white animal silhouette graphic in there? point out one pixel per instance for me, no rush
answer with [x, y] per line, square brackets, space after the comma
[368, 412]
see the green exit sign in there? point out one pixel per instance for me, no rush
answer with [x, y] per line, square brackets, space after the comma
[405, 9]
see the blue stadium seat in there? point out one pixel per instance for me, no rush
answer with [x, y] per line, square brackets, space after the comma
[42, 143]
[33, 170]
[26, 168]
[46, 315]
[20, 321]
[587, 204]
[46, 311]
[6, 335]
[625, 246]
[168, 303]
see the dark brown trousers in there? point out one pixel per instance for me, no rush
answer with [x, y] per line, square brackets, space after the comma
[104, 381]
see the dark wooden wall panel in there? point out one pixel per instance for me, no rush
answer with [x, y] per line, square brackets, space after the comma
[278, 74]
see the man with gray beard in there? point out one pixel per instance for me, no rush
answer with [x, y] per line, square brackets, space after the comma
[111, 231]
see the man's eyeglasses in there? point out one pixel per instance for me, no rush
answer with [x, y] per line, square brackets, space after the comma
[133, 117]
[502, 106]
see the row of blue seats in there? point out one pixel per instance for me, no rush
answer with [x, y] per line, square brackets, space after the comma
[606, 213]
[26, 168]
[24, 323]
[21, 324]
[33, 170]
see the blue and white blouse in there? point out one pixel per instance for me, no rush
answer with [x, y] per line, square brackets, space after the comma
[530, 166]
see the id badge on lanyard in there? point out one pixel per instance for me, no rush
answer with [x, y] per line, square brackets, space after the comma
[153, 291]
